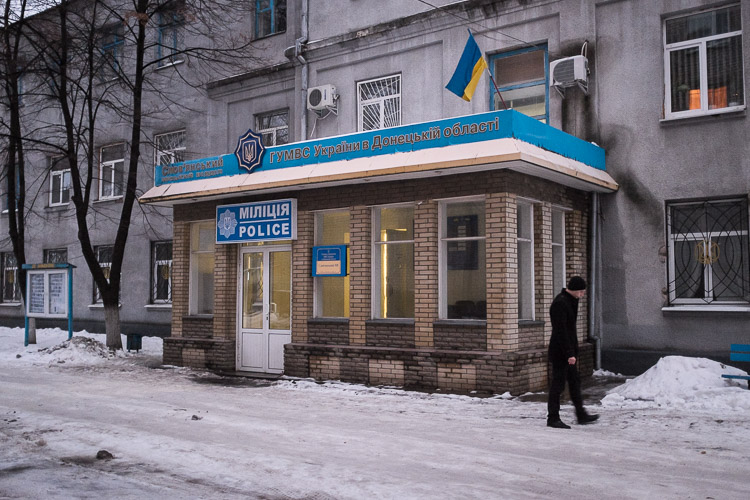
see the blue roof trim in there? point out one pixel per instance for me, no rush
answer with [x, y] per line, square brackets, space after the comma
[407, 138]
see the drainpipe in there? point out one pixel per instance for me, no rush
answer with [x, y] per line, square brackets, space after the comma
[593, 336]
[298, 44]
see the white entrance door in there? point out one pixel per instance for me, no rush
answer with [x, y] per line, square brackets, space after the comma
[265, 320]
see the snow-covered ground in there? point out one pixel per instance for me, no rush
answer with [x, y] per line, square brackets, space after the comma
[677, 431]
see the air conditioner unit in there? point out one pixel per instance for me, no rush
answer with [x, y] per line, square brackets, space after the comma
[570, 72]
[321, 98]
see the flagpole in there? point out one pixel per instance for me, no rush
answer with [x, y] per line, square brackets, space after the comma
[491, 77]
[496, 89]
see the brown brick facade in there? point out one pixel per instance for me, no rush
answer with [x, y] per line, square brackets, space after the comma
[497, 355]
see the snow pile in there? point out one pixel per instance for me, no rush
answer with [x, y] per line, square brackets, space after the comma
[54, 348]
[681, 382]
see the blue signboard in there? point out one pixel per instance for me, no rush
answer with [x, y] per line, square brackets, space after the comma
[251, 156]
[263, 221]
[329, 260]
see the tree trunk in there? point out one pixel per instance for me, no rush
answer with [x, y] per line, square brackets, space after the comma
[112, 326]
[32, 330]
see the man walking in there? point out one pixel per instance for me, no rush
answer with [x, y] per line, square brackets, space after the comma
[563, 354]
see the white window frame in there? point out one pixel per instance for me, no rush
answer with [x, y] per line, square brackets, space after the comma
[272, 131]
[525, 276]
[63, 174]
[701, 44]
[169, 153]
[375, 260]
[111, 167]
[559, 260]
[380, 101]
[443, 250]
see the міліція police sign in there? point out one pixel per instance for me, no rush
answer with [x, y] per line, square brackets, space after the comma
[263, 221]
[249, 150]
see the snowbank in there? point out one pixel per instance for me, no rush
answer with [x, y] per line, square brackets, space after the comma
[682, 382]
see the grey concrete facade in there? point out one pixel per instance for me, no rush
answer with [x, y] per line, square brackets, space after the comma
[655, 160]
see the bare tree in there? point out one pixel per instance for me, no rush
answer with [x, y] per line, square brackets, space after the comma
[97, 59]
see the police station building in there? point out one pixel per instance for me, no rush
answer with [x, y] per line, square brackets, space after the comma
[421, 256]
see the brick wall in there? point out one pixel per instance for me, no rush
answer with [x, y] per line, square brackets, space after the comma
[497, 355]
[388, 333]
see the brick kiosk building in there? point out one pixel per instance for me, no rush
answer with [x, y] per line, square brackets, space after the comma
[457, 244]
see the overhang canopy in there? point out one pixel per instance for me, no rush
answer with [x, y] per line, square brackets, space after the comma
[515, 142]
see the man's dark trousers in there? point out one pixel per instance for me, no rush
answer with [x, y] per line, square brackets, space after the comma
[562, 371]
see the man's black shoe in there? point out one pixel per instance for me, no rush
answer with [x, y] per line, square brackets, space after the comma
[557, 424]
[587, 418]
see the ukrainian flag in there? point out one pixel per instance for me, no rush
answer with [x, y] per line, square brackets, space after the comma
[469, 70]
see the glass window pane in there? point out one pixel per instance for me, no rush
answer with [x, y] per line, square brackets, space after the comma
[397, 281]
[531, 101]
[396, 224]
[252, 282]
[466, 286]
[725, 83]
[704, 24]
[465, 219]
[280, 266]
[519, 68]
[524, 223]
[56, 188]
[525, 281]
[332, 293]
[689, 272]
[684, 66]
[204, 284]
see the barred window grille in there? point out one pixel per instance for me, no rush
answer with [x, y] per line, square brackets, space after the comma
[379, 103]
[161, 272]
[708, 252]
[169, 148]
[273, 127]
[56, 256]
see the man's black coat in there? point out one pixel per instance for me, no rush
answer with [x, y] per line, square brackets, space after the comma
[563, 343]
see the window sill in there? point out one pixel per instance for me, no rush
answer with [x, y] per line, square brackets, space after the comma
[460, 321]
[170, 65]
[706, 309]
[10, 304]
[390, 321]
[530, 322]
[735, 111]
[198, 316]
[107, 200]
[101, 306]
[158, 307]
[58, 208]
[327, 320]
[268, 35]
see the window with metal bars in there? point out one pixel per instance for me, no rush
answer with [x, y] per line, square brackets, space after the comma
[161, 272]
[379, 103]
[708, 252]
[703, 63]
[11, 290]
[273, 127]
[169, 148]
[55, 255]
